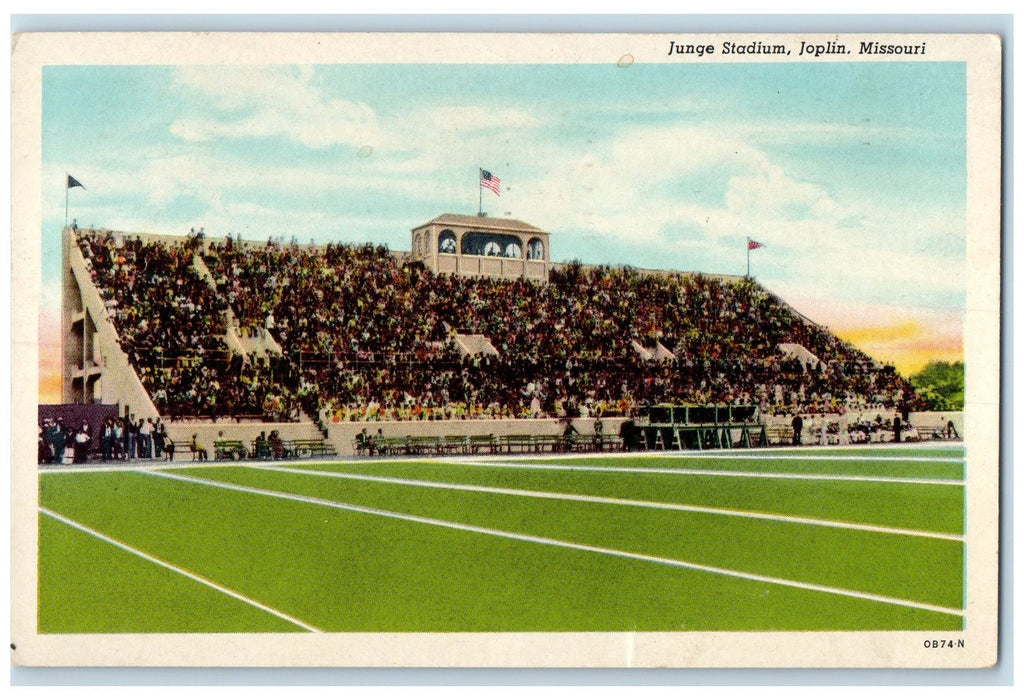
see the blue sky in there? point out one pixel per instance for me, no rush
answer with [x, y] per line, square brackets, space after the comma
[853, 175]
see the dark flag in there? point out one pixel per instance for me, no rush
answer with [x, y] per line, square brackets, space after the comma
[71, 182]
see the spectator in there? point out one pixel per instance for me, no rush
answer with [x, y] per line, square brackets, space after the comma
[57, 439]
[45, 450]
[569, 436]
[262, 446]
[131, 431]
[159, 438]
[145, 438]
[951, 431]
[82, 444]
[107, 439]
[276, 445]
[198, 450]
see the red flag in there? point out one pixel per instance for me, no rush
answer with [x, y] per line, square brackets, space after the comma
[754, 245]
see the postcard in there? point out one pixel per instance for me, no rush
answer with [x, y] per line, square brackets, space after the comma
[506, 350]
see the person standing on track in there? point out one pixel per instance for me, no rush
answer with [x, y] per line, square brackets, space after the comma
[159, 439]
[83, 442]
[57, 438]
[107, 440]
[951, 431]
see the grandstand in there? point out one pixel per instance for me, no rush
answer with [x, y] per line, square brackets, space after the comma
[472, 335]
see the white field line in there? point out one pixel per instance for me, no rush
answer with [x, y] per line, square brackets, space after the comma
[817, 457]
[182, 464]
[585, 498]
[727, 455]
[508, 464]
[868, 447]
[177, 569]
[563, 543]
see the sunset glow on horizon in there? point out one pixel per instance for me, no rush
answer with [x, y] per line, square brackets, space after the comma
[908, 347]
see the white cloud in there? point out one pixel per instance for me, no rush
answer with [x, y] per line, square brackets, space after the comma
[229, 88]
[272, 101]
[769, 193]
[468, 118]
[826, 133]
[634, 185]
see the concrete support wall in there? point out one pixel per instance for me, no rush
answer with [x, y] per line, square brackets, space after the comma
[925, 420]
[89, 335]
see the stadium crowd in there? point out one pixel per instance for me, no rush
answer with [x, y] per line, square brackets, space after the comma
[367, 337]
[171, 327]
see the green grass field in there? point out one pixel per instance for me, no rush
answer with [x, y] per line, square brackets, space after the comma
[844, 539]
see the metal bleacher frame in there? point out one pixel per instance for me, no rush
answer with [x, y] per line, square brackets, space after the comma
[705, 427]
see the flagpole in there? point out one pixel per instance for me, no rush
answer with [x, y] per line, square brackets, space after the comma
[748, 257]
[66, 188]
[480, 191]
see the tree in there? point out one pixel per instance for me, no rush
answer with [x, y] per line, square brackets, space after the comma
[941, 385]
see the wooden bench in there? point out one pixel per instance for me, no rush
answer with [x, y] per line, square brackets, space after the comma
[590, 442]
[455, 443]
[549, 443]
[303, 449]
[421, 445]
[780, 434]
[229, 449]
[931, 431]
[478, 442]
[389, 446]
[517, 443]
[613, 443]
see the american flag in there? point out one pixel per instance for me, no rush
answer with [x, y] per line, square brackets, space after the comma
[491, 182]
